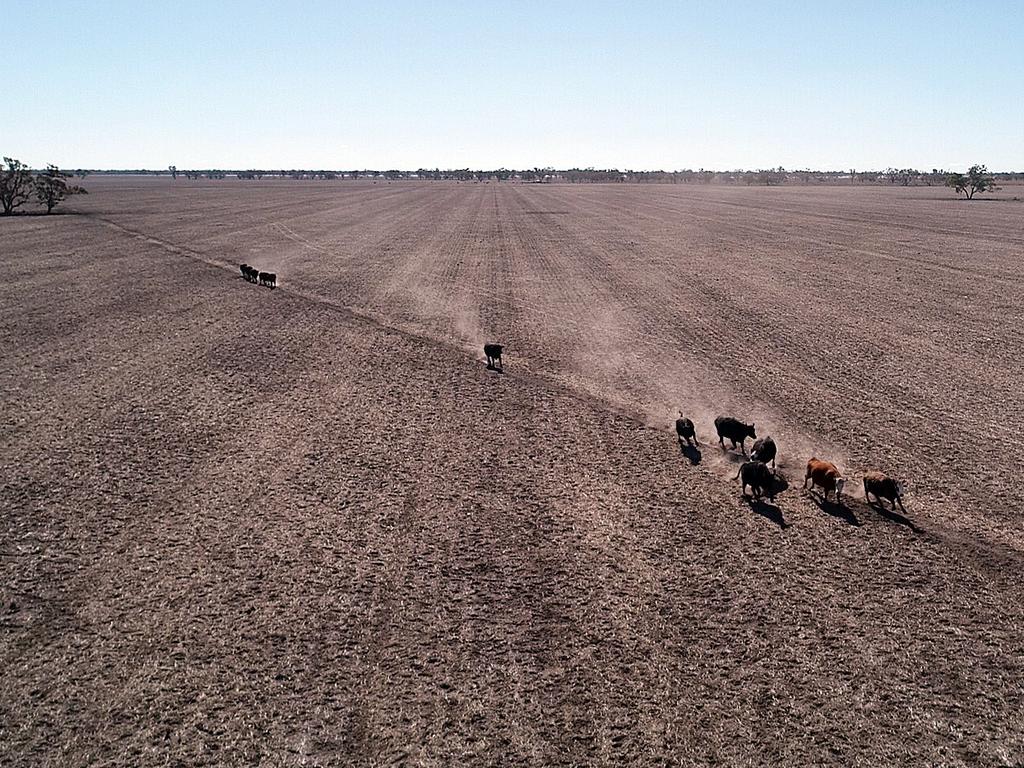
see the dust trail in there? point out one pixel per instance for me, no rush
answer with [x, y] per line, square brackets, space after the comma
[659, 386]
[613, 358]
[468, 330]
[601, 351]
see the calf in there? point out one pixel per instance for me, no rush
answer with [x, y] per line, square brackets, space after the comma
[735, 430]
[881, 486]
[760, 479]
[493, 354]
[271, 279]
[685, 430]
[244, 269]
[764, 450]
[826, 475]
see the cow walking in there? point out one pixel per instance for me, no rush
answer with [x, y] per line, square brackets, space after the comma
[493, 354]
[881, 486]
[760, 479]
[685, 430]
[826, 476]
[734, 430]
[764, 450]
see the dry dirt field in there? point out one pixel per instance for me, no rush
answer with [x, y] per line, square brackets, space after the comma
[306, 526]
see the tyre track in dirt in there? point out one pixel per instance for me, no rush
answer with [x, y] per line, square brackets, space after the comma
[575, 328]
[572, 319]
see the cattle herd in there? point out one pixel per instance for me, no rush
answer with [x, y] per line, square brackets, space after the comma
[755, 473]
[253, 275]
[765, 481]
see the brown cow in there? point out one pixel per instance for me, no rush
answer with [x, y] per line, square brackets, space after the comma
[881, 486]
[826, 475]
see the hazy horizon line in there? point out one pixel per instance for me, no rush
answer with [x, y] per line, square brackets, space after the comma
[511, 168]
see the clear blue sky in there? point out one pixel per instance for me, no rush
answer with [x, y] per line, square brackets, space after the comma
[516, 84]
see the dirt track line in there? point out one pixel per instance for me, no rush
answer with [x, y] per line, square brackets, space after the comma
[179, 250]
[652, 342]
[552, 383]
[292, 235]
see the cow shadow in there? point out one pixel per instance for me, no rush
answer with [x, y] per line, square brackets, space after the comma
[691, 452]
[54, 212]
[835, 509]
[731, 455]
[893, 516]
[768, 510]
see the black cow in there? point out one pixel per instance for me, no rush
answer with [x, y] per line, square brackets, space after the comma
[685, 430]
[271, 279]
[881, 486]
[735, 430]
[493, 354]
[764, 450]
[760, 479]
[244, 269]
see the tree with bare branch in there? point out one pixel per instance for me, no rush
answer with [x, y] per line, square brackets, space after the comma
[15, 184]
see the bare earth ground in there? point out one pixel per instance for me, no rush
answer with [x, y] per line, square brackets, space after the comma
[305, 526]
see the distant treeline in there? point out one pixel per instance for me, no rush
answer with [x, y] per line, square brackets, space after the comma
[770, 176]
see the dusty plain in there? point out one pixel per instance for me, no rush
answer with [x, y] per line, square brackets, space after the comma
[306, 526]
